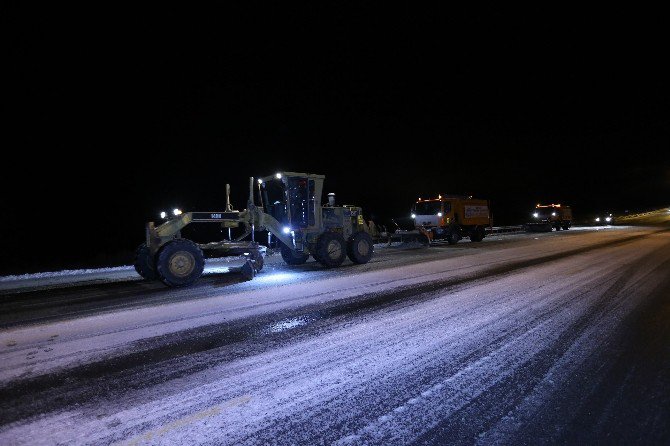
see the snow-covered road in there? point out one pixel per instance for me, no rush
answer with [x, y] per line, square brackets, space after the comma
[534, 338]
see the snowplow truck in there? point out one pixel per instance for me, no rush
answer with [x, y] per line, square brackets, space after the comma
[546, 217]
[452, 217]
[289, 208]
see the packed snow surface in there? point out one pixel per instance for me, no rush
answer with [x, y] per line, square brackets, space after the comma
[472, 344]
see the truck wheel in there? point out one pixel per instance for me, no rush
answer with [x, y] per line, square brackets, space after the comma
[291, 257]
[331, 249]
[360, 248]
[566, 227]
[453, 237]
[145, 264]
[180, 263]
[477, 234]
[558, 226]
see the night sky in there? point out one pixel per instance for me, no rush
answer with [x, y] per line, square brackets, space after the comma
[114, 115]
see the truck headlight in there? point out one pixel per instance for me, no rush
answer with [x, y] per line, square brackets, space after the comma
[597, 218]
[176, 211]
[439, 214]
[553, 214]
[413, 215]
[608, 218]
[163, 214]
[536, 215]
[286, 230]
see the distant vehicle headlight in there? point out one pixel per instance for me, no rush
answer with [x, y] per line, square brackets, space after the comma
[536, 215]
[553, 214]
[608, 218]
[176, 211]
[439, 214]
[413, 215]
[597, 218]
[286, 230]
[163, 214]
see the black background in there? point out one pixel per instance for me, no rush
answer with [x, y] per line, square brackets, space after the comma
[112, 115]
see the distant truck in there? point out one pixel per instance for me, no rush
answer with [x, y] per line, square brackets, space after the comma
[452, 217]
[549, 216]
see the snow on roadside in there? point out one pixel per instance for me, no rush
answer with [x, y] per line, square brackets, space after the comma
[56, 279]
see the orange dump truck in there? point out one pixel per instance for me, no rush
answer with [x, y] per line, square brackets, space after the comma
[452, 217]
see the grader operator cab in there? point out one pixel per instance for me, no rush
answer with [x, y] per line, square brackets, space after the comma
[290, 209]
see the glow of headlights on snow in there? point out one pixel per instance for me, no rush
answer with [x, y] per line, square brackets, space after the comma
[413, 215]
[163, 214]
[275, 278]
[176, 211]
[286, 230]
[216, 269]
[287, 325]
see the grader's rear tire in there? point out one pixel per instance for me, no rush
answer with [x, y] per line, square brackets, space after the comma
[360, 248]
[145, 264]
[331, 249]
[292, 258]
[180, 263]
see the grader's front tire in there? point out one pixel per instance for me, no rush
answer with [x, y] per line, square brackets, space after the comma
[331, 249]
[180, 263]
[145, 264]
[360, 248]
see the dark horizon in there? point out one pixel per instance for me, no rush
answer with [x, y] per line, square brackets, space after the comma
[114, 119]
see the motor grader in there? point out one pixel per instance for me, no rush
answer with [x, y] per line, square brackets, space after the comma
[289, 208]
